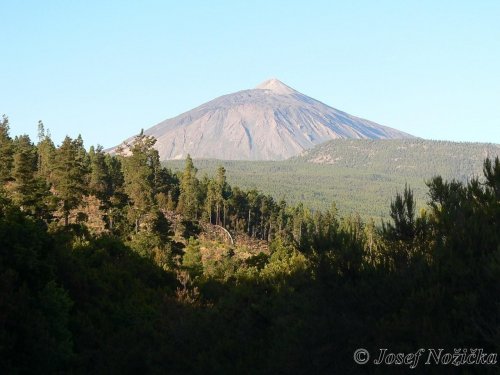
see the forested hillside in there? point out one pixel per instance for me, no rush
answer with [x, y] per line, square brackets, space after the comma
[360, 176]
[117, 265]
[411, 157]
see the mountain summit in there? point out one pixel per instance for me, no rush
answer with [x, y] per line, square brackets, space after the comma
[270, 122]
[276, 86]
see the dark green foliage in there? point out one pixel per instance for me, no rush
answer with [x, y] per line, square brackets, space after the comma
[139, 175]
[403, 216]
[29, 191]
[46, 153]
[492, 174]
[189, 191]
[99, 181]
[34, 333]
[83, 309]
[141, 297]
[6, 151]
[117, 197]
[68, 175]
[358, 175]
[191, 259]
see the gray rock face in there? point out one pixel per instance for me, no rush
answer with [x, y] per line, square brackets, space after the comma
[270, 122]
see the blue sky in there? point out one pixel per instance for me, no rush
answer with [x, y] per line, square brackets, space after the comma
[106, 69]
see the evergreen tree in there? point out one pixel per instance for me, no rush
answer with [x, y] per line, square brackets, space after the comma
[188, 198]
[46, 153]
[400, 235]
[99, 181]
[192, 260]
[209, 201]
[282, 216]
[117, 197]
[139, 176]
[253, 204]
[403, 216]
[6, 151]
[492, 174]
[166, 183]
[25, 162]
[238, 210]
[69, 176]
[220, 194]
[29, 191]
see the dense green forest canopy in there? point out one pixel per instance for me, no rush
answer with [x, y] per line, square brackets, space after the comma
[117, 265]
[360, 176]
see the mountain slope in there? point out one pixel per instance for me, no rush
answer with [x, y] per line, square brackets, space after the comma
[410, 157]
[359, 175]
[271, 122]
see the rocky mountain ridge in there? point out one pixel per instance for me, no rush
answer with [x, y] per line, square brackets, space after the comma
[270, 122]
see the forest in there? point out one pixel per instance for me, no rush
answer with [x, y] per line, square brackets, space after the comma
[116, 264]
[359, 175]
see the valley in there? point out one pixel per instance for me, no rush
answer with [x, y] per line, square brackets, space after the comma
[359, 176]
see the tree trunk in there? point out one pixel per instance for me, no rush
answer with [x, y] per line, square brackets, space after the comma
[248, 230]
[225, 214]
[110, 222]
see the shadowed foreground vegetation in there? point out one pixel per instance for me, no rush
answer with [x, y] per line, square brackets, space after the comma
[105, 268]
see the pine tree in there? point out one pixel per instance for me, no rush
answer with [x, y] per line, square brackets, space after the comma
[29, 191]
[117, 197]
[252, 204]
[406, 237]
[139, 170]
[209, 201]
[192, 259]
[239, 209]
[165, 182]
[221, 194]
[188, 198]
[46, 152]
[69, 175]
[99, 180]
[492, 174]
[6, 151]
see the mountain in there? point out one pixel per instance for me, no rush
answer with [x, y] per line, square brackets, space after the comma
[270, 122]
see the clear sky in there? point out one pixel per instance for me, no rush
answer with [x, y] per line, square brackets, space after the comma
[106, 69]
